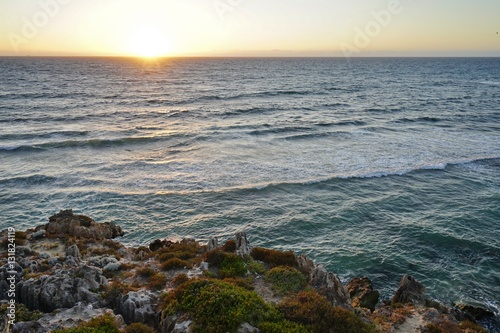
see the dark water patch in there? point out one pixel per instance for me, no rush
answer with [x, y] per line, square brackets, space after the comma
[28, 136]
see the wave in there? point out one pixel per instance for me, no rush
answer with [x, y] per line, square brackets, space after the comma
[419, 119]
[91, 143]
[28, 136]
[336, 177]
[343, 123]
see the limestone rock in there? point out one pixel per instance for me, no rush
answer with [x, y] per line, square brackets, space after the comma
[242, 244]
[159, 243]
[410, 291]
[247, 328]
[73, 251]
[328, 284]
[138, 307]
[28, 327]
[212, 244]
[477, 312]
[65, 223]
[62, 289]
[305, 264]
[362, 293]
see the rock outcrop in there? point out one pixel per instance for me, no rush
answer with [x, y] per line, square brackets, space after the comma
[138, 307]
[410, 291]
[362, 293]
[242, 245]
[65, 223]
[329, 285]
[62, 289]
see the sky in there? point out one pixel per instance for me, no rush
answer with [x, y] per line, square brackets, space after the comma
[151, 28]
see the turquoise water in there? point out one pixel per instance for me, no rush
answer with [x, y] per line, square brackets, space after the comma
[381, 168]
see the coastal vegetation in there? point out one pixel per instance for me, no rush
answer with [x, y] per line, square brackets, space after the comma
[73, 284]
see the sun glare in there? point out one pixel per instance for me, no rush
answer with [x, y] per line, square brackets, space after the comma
[149, 43]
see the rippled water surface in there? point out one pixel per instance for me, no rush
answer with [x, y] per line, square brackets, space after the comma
[379, 168]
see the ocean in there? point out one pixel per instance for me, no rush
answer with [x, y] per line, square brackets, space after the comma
[376, 166]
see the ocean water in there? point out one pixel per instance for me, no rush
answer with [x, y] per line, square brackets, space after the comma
[376, 167]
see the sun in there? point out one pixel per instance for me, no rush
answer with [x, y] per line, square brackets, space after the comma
[147, 42]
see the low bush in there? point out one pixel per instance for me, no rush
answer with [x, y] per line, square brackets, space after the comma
[157, 281]
[180, 279]
[145, 272]
[284, 326]
[229, 246]
[231, 266]
[285, 280]
[22, 313]
[103, 324]
[175, 263]
[138, 328]
[274, 257]
[315, 312]
[216, 306]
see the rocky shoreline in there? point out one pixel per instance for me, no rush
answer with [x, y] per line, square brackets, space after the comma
[69, 275]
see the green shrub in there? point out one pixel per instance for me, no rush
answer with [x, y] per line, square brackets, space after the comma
[138, 328]
[232, 265]
[285, 280]
[314, 311]
[175, 263]
[284, 326]
[216, 306]
[215, 257]
[114, 290]
[22, 313]
[180, 279]
[103, 324]
[240, 282]
[177, 250]
[146, 272]
[157, 281]
[229, 246]
[255, 267]
[274, 257]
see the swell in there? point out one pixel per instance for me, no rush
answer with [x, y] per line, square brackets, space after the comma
[336, 177]
[91, 143]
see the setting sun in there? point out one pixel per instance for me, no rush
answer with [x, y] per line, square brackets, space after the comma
[148, 43]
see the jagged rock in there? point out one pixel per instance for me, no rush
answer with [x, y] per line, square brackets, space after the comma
[247, 328]
[328, 284]
[182, 327]
[38, 234]
[138, 307]
[73, 251]
[62, 289]
[159, 243]
[28, 327]
[476, 312]
[65, 223]
[305, 264]
[242, 244]
[65, 318]
[362, 293]
[212, 244]
[410, 291]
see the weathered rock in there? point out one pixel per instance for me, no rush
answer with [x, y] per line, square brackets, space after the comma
[159, 243]
[73, 251]
[328, 284]
[28, 327]
[477, 312]
[212, 244]
[410, 291]
[63, 289]
[182, 327]
[65, 223]
[65, 318]
[305, 264]
[242, 244]
[38, 234]
[362, 293]
[138, 307]
[247, 328]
